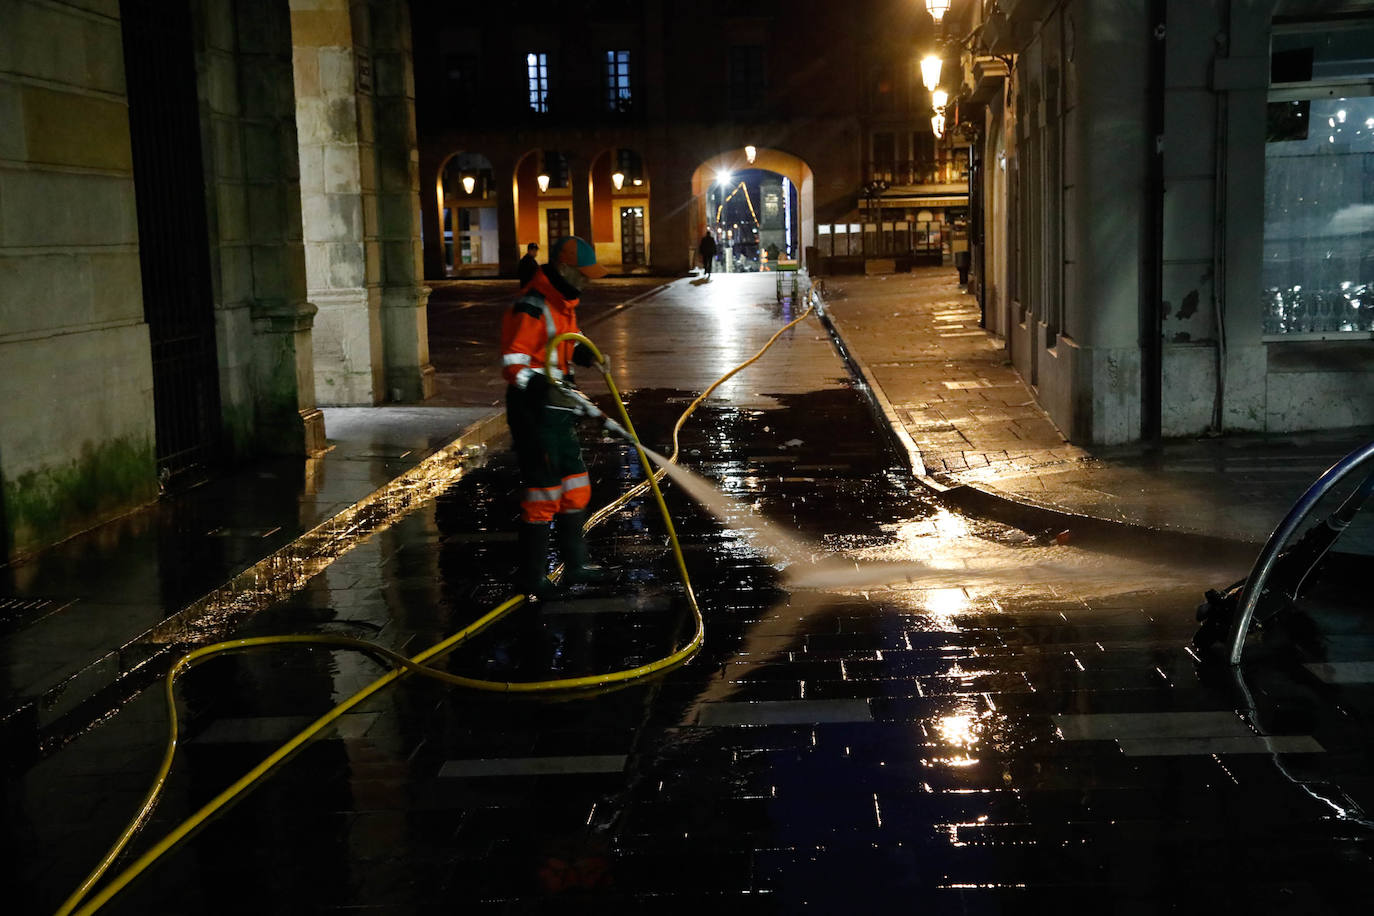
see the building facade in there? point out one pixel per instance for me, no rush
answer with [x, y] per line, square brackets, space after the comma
[633, 113]
[1175, 220]
[209, 227]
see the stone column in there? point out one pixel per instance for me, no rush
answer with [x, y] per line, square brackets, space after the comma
[405, 336]
[333, 117]
[511, 251]
[431, 213]
[579, 170]
[263, 319]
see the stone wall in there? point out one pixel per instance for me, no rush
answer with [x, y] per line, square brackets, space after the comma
[76, 412]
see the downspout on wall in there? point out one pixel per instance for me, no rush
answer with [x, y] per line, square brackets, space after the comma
[1152, 273]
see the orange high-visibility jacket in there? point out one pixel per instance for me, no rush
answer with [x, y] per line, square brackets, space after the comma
[540, 314]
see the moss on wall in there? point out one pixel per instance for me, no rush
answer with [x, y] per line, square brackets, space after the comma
[43, 506]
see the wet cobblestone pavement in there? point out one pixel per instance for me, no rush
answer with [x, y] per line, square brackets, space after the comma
[1009, 747]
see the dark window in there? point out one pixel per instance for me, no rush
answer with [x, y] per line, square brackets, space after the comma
[884, 93]
[460, 79]
[628, 163]
[748, 77]
[556, 167]
[618, 95]
[537, 78]
[884, 150]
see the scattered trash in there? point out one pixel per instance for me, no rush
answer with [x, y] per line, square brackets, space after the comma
[1063, 537]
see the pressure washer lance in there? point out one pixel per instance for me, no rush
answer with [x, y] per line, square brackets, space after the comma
[591, 410]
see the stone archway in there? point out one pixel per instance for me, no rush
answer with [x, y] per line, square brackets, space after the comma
[789, 166]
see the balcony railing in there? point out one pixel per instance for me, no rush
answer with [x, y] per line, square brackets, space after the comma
[942, 170]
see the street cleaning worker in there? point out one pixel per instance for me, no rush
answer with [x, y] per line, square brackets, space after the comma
[543, 417]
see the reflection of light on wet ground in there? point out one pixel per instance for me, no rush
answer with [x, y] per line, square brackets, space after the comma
[946, 603]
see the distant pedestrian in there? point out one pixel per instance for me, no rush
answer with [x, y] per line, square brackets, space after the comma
[707, 250]
[529, 264]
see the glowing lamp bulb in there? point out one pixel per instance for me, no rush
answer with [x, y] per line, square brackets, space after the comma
[722, 178]
[469, 183]
[939, 98]
[750, 152]
[937, 9]
[930, 71]
[937, 124]
[618, 179]
[543, 180]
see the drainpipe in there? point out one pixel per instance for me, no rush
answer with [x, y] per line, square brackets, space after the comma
[1152, 277]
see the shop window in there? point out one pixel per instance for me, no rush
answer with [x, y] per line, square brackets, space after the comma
[1317, 277]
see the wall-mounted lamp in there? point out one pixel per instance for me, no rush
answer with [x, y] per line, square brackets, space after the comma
[939, 98]
[543, 181]
[930, 71]
[750, 152]
[937, 9]
[618, 179]
[937, 124]
[469, 183]
[637, 182]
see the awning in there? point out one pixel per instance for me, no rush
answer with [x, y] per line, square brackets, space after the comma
[953, 200]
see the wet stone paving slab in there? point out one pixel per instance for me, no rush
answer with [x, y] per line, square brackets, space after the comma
[1015, 744]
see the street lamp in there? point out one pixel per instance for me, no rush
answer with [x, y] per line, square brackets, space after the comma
[469, 183]
[937, 124]
[543, 181]
[939, 98]
[723, 178]
[937, 9]
[749, 153]
[618, 179]
[930, 71]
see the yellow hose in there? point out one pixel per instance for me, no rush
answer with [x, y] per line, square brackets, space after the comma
[416, 664]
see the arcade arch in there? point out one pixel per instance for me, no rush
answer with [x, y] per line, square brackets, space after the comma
[468, 216]
[542, 190]
[618, 190]
[707, 193]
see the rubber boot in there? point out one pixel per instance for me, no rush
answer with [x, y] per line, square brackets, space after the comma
[572, 547]
[532, 574]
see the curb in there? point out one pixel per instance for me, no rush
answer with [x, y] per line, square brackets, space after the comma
[1027, 515]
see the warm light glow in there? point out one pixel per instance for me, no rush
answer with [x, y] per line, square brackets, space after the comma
[723, 178]
[937, 9]
[469, 183]
[937, 124]
[637, 182]
[750, 152]
[930, 71]
[543, 180]
[618, 179]
[939, 98]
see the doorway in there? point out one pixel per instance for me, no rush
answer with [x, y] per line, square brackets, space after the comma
[632, 236]
[558, 223]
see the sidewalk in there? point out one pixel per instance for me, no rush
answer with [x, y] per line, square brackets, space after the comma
[90, 617]
[974, 429]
